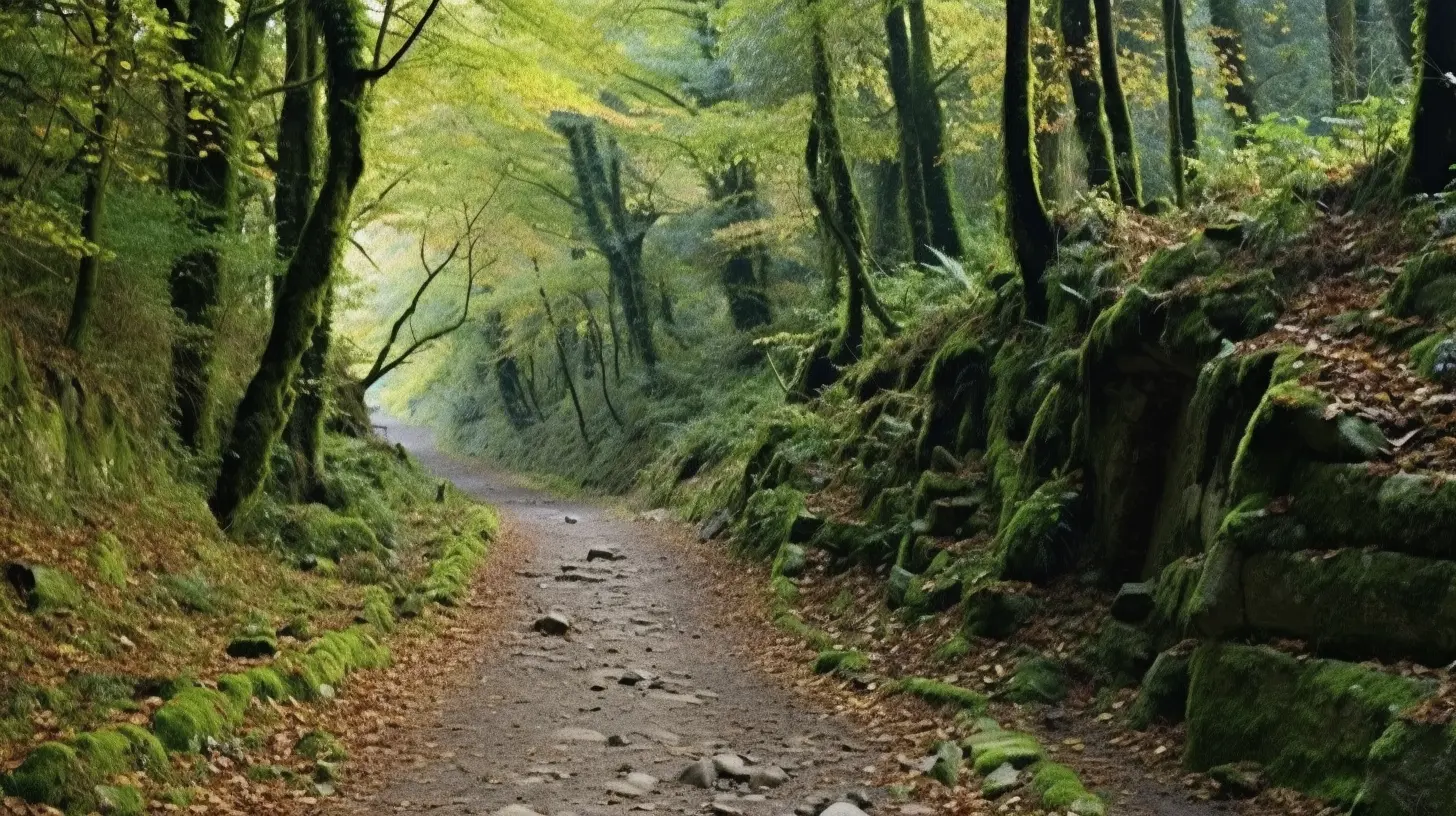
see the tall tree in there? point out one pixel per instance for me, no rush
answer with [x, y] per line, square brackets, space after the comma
[97, 153]
[912, 170]
[1182, 138]
[930, 130]
[617, 230]
[1228, 46]
[1432, 156]
[1340, 20]
[732, 182]
[1119, 117]
[268, 400]
[1033, 237]
[206, 184]
[1091, 119]
[831, 184]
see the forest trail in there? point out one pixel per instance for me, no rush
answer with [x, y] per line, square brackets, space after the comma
[534, 731]
[539, 731]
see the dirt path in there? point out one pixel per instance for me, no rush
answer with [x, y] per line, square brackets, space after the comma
[543, 726]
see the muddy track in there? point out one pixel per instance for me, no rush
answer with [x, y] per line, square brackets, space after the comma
[647, 680]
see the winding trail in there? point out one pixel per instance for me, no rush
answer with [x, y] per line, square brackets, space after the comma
[647, 680]
[534, 732]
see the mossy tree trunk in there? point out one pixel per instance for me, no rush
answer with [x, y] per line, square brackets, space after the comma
[617, 232]
[1433, 124]
[206, 185]
[1174, 54]
[888, 236]
[1344, 64]
[1049, 109]
[294, 185]
[1091, 119]
[912, 170]
[744, 276]
[832, 187]
[1187, 114]
[514, 399]
[732, 188]
[1033, 237]
[563, 359]
[267, 401]
[1119, 117]
[97, 152]
[1364, 30]
[1228, 46]
[930, 129]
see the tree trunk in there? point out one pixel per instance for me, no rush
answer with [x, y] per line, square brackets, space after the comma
[734, 191]
[1403, 20]
[887, 229]
[930, 128]
[93, 204]
[561, 358]
[912, 170]
[1228, 46]
[305, 429]
[1340, 17]
[1177, 164]
[1433, 124]
[1092, 130]
[1048, 110]
[1032, 236]
[266, 403]
[297, 131]
[207, 187]
[617, 233]
[832, 186]
[1119, 117]
[1364, 30]
[1187, 115]
[514, 399]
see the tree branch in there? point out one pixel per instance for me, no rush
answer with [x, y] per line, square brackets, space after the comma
[377, 73]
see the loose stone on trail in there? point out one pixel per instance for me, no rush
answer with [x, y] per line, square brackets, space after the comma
[554, 624]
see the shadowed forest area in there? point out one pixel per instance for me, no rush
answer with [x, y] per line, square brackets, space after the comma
[1082, 373]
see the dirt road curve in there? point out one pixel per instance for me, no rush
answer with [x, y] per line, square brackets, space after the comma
[605, 718]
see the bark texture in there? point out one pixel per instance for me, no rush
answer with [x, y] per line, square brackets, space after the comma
[1032, 235]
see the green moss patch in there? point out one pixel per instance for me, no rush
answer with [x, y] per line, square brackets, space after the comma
[841, 661]
[939, 693]
[1310, 723]
[1354, 603]
[994, 747]
[768, 519]
[1060, 790]
[108, 558]
[1412, 769]
[1351, 506]
[189, 720]
[1037, 680]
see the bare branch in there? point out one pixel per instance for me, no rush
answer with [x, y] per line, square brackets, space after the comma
[376, 73]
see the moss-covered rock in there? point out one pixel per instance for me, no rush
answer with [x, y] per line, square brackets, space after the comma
[1426, 288]
[108, 558]
[267, 684]
[1059, 789]
[1119, 655]
[192, 718]
[946, 768]
[314, 529]
[790, 561]
[1038, 542]
[768, 520]
[320, 745]
[1290, 427]
[51, 774]
[1310, 723]
[1354, 603]
[44, 590]
[120, 800]
[253, 645]
[320, 670]
[1411, 769]
[1037, 680]
[997, 610]
[841, 661]
[1355, 506]
[946, 694]
[1163, 695]
[993, 747]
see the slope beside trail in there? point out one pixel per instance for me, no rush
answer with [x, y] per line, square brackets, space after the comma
[648, 679]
